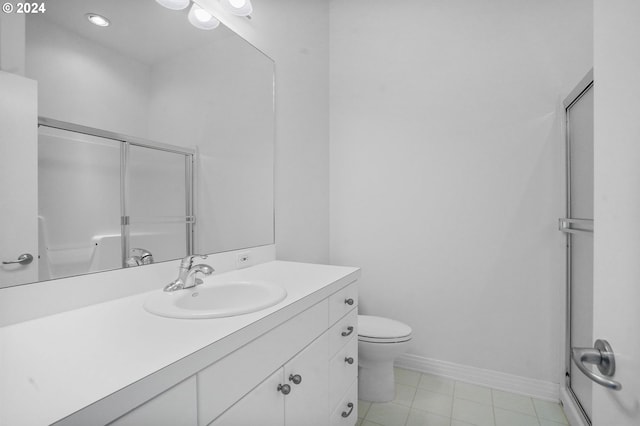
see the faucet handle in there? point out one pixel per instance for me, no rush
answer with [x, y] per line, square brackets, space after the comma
[187, 261]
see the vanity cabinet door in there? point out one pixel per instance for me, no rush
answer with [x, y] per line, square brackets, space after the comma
[308, 375]
[262, 406]
[295, 395]
[223, 383]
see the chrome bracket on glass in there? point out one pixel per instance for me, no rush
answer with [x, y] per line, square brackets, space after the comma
[600, 355]
[575, 226]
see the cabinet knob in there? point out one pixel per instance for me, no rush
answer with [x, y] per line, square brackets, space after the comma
[296, 379]
[350, 407]
[349, 360]
[348, 301]
[285, 389]
[348, 332]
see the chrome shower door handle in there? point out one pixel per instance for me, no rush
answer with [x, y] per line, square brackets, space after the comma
[23, 259]
[602, 356]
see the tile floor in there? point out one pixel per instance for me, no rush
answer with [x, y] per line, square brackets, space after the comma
[426, 400]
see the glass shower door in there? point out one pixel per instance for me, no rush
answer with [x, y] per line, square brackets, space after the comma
[78, 203]
[158, 202]
[107, 200]
[578, 225]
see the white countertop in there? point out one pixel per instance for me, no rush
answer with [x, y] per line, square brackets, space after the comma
[54, 366]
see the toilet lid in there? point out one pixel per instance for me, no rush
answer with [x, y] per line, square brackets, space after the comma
[372, 327]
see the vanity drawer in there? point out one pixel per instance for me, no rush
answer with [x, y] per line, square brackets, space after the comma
[225, 382]
[343, 370]
[346, 413]
[341, 302]
[343, 331]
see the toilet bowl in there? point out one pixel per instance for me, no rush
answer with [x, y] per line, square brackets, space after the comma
[380, 342]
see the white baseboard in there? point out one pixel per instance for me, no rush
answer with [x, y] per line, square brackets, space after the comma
[489, 378]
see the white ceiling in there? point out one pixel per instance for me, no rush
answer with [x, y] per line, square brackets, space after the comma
[140, 29]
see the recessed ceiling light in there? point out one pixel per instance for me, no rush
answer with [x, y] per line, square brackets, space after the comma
[98, 20]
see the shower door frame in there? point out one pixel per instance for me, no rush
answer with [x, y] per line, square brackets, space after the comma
[126, 141]
[585, 85]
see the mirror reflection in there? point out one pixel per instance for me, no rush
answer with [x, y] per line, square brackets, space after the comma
[156, 140]
[67, 244]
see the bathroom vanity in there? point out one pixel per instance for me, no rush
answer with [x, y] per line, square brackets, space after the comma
[294, 363]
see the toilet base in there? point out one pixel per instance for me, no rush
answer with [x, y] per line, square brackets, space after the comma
[376, 381]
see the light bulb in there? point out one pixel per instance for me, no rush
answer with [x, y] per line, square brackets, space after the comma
[237, 7]
[202, 19]
[174, 4]
[202, 15]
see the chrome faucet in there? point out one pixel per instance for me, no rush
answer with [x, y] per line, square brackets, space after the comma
[139, 256]
[187, 273]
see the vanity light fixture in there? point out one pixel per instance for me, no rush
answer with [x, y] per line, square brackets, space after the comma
[98, 20]
[202, 19]
[237, 7]
[174, 4]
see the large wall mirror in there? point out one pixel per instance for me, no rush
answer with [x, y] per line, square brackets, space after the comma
[155, 139]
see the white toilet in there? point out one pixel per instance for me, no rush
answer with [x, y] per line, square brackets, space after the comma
[380, 342]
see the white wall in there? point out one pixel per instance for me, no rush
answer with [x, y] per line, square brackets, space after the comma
[12, 39]
[447, 170]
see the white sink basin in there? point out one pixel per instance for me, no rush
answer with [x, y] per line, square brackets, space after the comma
[215, 300]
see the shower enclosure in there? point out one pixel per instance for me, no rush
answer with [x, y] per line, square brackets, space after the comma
[107, 200]
[579, 227]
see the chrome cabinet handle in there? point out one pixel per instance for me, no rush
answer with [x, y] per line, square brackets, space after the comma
[285, 389]
[296, 379]
[23, 259]
[348, 332]
[602, 356]
[350, 407]
[348, 301]
[348, 360]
